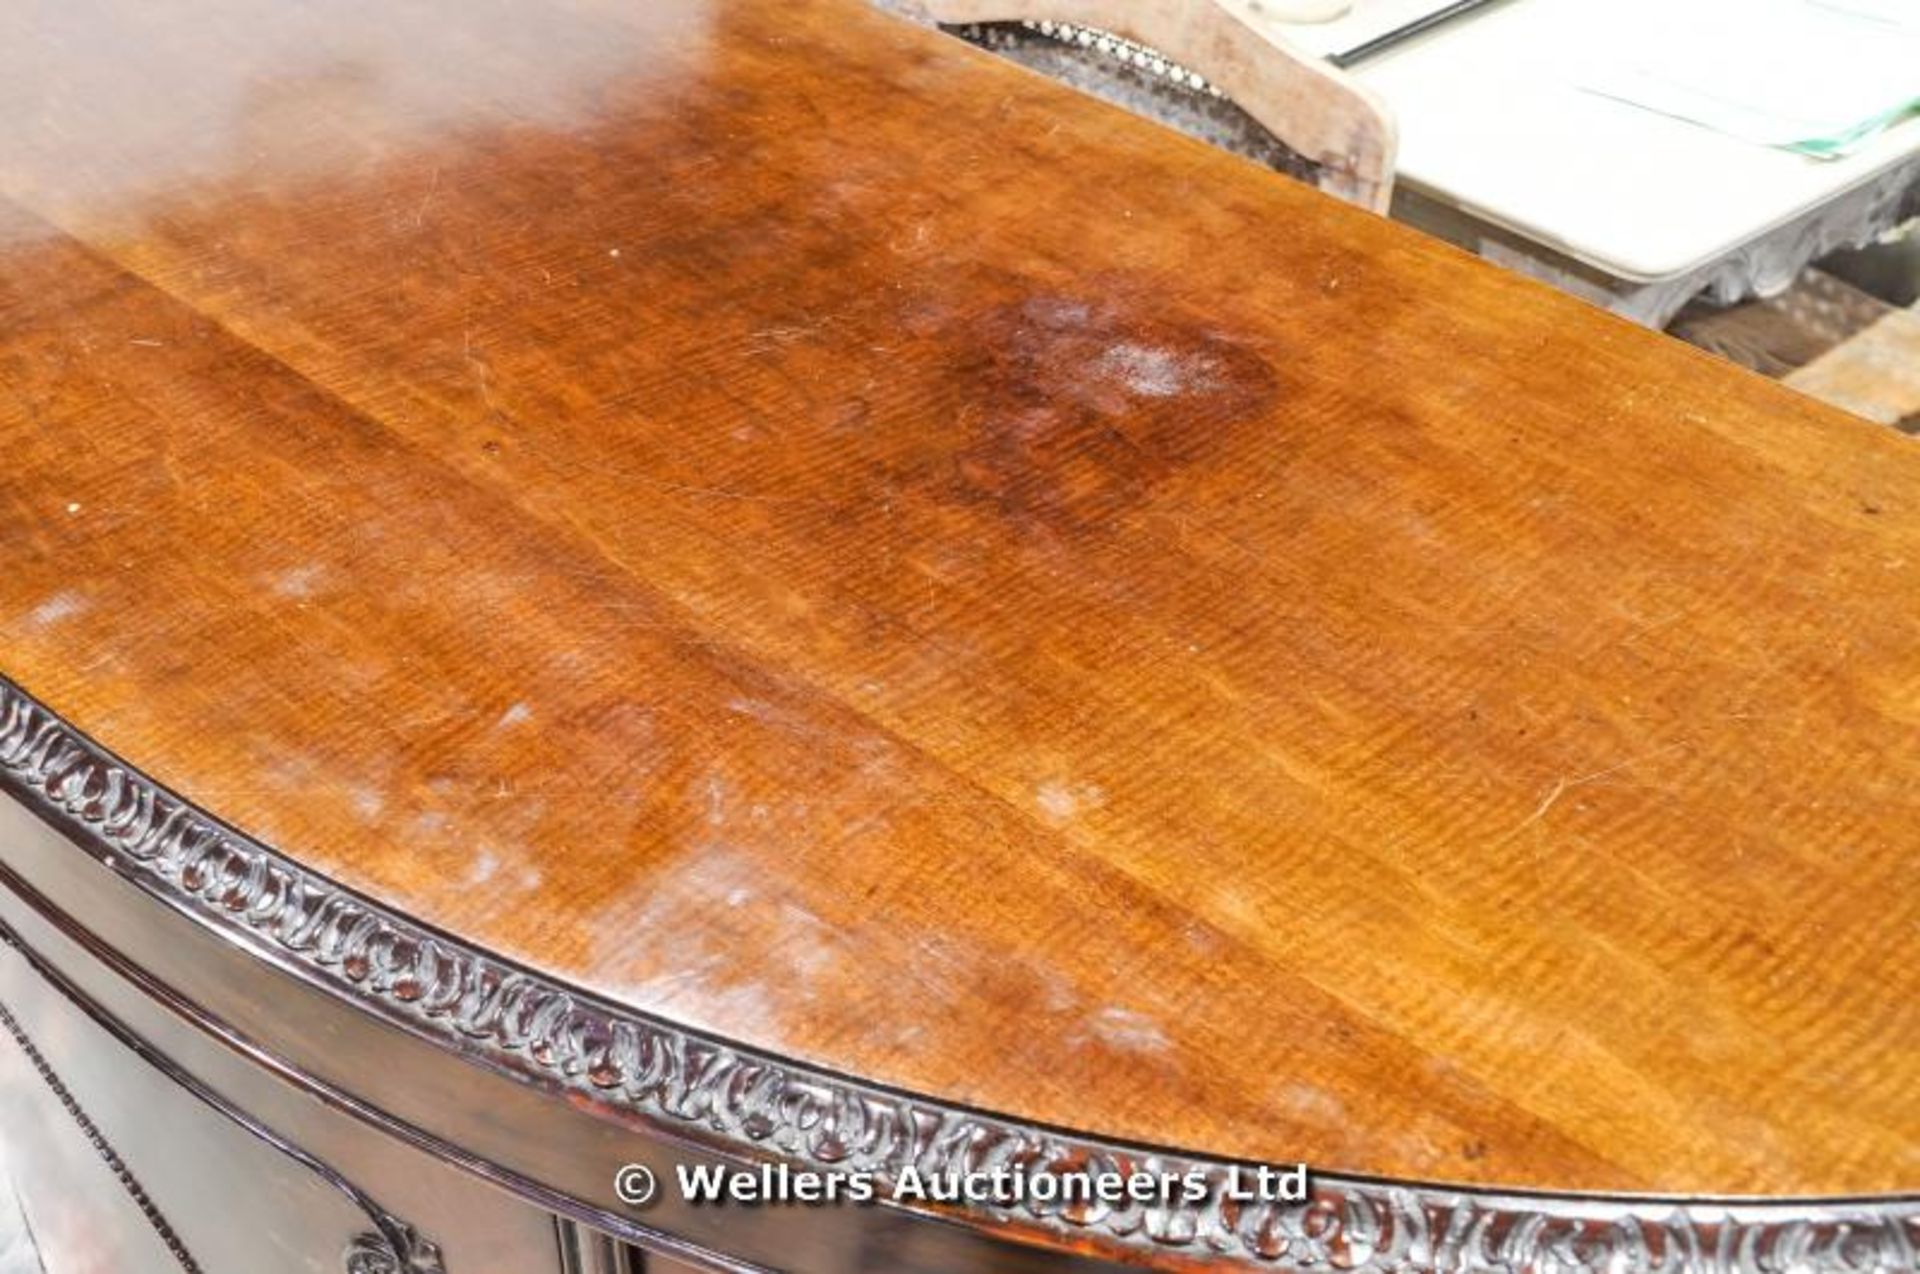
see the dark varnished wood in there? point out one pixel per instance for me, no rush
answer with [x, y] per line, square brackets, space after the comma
[773, 516]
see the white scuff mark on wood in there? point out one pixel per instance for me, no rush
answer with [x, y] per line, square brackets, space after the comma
[299, 582]
[366, 802]
[1061, 802]
[483, 867]
[61, 606]
[1125, 1029]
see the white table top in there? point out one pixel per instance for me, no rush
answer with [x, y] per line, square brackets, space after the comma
[1493, 121]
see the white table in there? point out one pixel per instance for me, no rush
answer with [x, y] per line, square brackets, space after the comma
[1502, 152]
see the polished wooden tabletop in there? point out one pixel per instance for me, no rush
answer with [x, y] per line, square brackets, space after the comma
[767, 513]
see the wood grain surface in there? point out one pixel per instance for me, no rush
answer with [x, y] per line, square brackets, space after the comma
[773, 515]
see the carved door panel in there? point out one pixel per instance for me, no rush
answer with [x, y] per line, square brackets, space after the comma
[70, 1206]
[120, 1171]
[119, 1168]
[123, 1161]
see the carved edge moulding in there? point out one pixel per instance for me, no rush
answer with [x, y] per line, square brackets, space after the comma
[736, 1101]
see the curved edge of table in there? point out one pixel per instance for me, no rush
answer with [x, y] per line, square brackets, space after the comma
[479, 1008]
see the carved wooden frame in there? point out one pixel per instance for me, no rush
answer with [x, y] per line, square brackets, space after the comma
[1326, 116]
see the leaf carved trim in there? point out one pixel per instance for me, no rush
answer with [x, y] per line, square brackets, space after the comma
[745, 1103]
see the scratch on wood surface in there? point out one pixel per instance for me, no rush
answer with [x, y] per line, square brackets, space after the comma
[480, 370]
[433, 188]
[1562, 785]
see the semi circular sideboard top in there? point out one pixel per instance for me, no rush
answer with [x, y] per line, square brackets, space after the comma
[777, 583]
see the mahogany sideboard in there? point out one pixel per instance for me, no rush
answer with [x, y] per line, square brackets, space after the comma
[594, 587]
